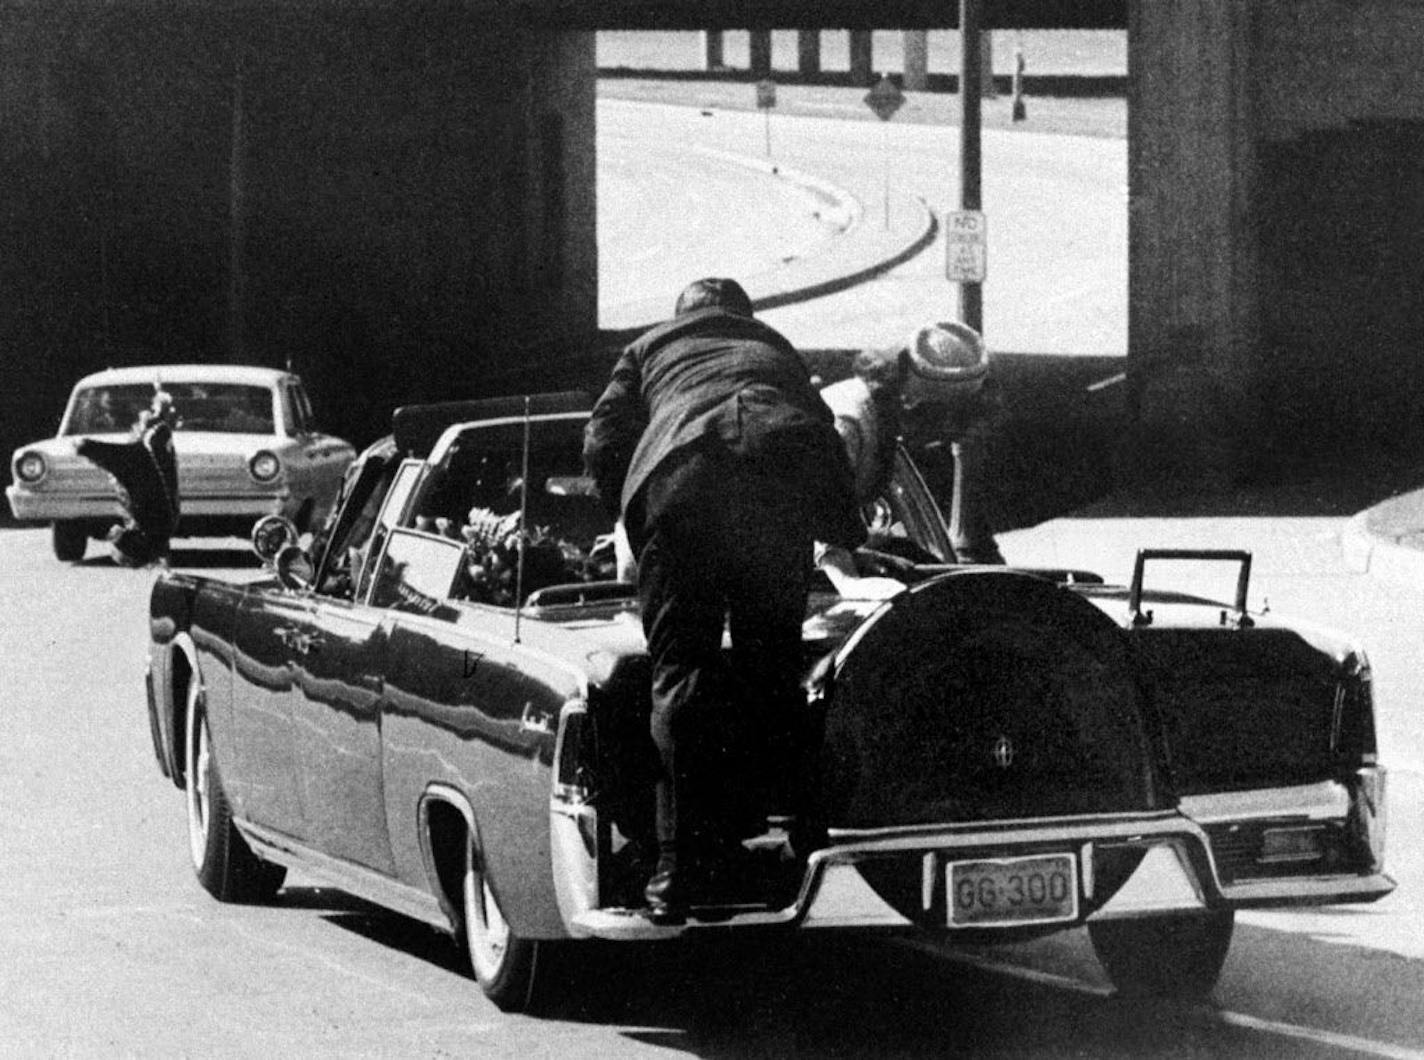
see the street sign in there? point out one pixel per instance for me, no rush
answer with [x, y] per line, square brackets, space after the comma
[966, 245]
[885, 98]
[766, 94]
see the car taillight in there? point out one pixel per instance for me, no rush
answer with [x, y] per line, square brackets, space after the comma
[264, 466]
[30, 468]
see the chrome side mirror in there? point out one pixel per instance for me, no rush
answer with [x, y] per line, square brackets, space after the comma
[295, 569]
[270, 535]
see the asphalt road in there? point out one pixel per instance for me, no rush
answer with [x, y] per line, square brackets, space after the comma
[112, 949]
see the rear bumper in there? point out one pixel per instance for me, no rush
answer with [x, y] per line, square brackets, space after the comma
[1132, 865]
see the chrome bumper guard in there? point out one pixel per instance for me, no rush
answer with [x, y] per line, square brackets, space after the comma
[1177, 872]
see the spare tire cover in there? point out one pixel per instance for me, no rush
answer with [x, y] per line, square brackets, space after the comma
[984, 695]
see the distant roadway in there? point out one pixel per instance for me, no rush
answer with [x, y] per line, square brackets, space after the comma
[671, 209]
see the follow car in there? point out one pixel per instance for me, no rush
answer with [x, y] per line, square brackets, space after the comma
[245, 443]
[443, 708]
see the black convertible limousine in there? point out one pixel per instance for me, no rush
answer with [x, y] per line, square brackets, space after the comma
[441, 705]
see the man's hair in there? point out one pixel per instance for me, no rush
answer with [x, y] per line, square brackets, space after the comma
[714, 292]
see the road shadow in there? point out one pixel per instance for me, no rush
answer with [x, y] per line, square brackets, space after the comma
[852, 997]
[210, 557]
[100, 557]
[378, 925]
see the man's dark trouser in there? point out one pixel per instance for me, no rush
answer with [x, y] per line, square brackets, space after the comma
[727, 730]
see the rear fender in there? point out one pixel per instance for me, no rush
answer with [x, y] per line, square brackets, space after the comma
[1256, 707]
[447, 817]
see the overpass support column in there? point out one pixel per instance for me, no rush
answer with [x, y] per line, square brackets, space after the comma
[759, 49]
[712, 49]
[917, 60]
[808, 52]
[1193, 256]
[862, 57]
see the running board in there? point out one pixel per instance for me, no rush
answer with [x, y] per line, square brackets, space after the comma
[633, 925]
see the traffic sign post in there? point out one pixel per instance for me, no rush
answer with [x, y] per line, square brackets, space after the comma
[966, 246]
[885, 98]
[765, 101]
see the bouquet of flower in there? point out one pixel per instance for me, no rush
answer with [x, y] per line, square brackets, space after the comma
[492, 547]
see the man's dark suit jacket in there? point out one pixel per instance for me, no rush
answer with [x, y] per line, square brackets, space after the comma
[719, 383]
[147, 470]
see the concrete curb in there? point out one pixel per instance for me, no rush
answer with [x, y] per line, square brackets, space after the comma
[843, 210]
[928, 230]
[1367, 552]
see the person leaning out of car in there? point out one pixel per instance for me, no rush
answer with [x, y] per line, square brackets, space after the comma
[933, 379]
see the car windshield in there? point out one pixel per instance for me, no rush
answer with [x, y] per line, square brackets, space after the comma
[228, 408]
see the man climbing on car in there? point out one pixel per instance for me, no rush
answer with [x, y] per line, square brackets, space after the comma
[713, 446]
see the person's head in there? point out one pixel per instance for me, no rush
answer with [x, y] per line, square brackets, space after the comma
[714, 292]
[943, 363]
[160, 409]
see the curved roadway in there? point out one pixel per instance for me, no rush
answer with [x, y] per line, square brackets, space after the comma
[1056, 209]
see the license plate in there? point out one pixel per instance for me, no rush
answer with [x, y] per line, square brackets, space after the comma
[1010, 891]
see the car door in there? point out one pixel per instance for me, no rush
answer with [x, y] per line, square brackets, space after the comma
[337, 659]
[336, 727]
[292, 651]
[271, 629]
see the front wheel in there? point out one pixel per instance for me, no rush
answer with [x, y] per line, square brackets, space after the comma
[69, 540]
[1177, 956]
[222, 860]
[508, 968]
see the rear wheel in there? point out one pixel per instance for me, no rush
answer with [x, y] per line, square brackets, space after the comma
[1165, 956]
[507, 967]
[69, 541]
[222, 860]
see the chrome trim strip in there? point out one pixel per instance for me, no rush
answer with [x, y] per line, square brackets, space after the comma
[1326, 800]
[1310, 890]
[362, 882]
[1038, 830]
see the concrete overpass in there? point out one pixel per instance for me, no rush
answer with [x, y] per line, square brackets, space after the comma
[399, 199]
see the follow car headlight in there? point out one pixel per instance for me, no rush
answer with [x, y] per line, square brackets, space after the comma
[30, 468]
[264, 466]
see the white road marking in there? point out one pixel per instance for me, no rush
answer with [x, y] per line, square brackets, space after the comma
[1234, 1019]
[1103, 384]
[1310, 1034]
